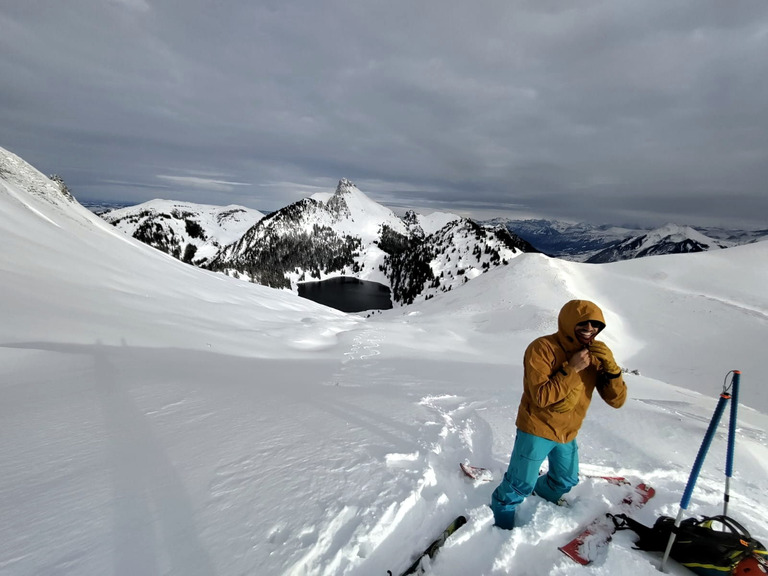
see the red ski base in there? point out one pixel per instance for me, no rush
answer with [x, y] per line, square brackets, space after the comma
[585, 546]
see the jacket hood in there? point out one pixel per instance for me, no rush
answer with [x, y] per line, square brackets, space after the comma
[571, 314]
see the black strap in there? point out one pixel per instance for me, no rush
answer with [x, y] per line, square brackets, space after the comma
[619, 521]
[624, 522]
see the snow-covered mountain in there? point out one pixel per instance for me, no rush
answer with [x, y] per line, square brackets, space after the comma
[347, 233]
[734, 237]
[317, 237]
[456, 253]
[193, 233]
[157, 418]
[582, 241]
[669, 239]
[570, 241]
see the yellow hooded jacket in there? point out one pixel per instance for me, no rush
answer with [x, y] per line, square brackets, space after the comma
[548, 378]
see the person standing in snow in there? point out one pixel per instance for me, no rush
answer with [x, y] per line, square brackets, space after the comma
[561, 371]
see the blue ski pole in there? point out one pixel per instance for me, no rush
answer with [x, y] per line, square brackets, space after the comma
[731, 439]
[724, 397]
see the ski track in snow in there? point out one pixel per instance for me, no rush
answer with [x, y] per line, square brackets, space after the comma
[424, 488]
[427, 491]
[403, 487]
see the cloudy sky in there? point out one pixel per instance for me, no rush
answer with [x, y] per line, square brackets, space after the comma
[614, 111]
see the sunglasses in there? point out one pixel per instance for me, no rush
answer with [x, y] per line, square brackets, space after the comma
[593, 323]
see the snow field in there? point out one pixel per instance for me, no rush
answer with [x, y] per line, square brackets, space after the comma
[159, 419]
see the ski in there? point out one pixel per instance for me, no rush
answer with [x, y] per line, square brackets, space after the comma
[618, 480]
[586, 545]
[433, 548]
[485, 475]
[476, 473]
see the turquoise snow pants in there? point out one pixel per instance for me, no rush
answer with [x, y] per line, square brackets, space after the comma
[522, 476]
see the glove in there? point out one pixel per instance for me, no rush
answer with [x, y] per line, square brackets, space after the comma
[600, 351]
[569, 402]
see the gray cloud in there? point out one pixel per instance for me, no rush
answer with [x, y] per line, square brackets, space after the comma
[601, 111]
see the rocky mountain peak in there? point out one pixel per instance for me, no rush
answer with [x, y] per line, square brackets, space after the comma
[410, 217]
[345, 187]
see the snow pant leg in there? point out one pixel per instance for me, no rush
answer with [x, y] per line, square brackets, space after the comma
[519, 480]
[563, 472]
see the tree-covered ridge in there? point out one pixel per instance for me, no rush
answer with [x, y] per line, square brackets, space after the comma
[458, 252]
[155, 229]
[276, 254]
[192, 233]
[409, 272]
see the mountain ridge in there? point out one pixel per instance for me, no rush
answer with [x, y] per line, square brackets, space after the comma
[193, 233]
[347, 233]
[579, 242]
[668, 239]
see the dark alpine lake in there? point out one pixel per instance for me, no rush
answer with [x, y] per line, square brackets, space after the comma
[348, 294]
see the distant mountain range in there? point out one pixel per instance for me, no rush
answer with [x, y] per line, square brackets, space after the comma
[417, 256]
[669, 239]
[599, 244]
[346, 233]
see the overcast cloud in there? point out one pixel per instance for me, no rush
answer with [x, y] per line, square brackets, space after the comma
[604, 111]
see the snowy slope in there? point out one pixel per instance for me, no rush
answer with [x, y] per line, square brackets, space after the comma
[173, 226]
[72, 268]
[435, 221]
[161, 419]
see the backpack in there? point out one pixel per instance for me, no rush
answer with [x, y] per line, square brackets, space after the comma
[700, 547]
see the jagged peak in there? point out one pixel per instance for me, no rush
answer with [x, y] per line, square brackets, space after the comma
[345, 186]
[410, 217]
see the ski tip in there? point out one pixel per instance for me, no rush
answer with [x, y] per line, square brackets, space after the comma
[573, 553]
[646, 490]
[476, 473]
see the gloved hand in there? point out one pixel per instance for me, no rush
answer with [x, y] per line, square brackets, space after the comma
[600, 351]
[569, 402]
